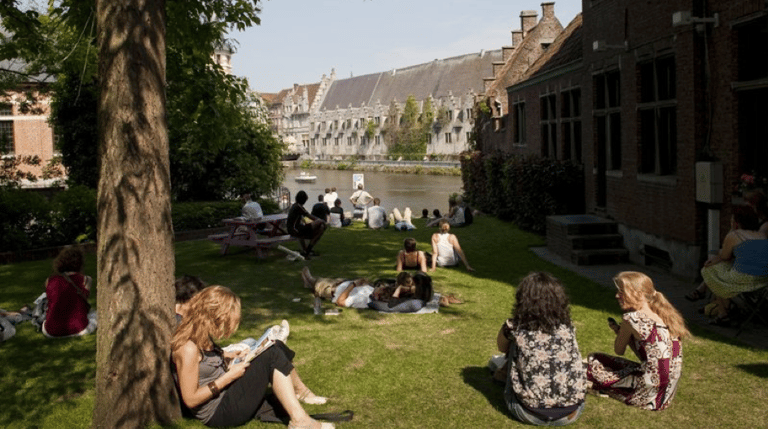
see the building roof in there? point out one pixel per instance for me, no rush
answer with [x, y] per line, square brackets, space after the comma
[566, 49]
[19, 67]
[438, 78]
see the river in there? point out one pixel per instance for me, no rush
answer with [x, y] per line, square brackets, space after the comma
[417, 191]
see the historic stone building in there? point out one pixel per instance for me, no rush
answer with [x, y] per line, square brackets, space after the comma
[348, 118]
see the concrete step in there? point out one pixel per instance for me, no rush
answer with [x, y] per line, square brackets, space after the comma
[596, 241]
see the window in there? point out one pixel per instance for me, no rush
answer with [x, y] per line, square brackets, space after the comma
[469, 114]
[549, 126]
[335, 141]
[469, 136]
[6, 137]
[658, 117]
[377, 120]
[349, 141]
[518, 122]
[450, 115]
[448, 137]
[570, 119]
[608, 117]
[6, 109]
[378, 139]
[429, 138]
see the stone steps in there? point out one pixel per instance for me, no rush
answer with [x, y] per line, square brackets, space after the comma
[586, 239]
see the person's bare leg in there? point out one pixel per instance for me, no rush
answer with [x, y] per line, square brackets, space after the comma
[283, 388]
[407, 215]
[309, 281]
[396, 213]
[303, 393]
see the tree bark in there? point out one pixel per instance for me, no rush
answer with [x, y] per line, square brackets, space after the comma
[135, 249]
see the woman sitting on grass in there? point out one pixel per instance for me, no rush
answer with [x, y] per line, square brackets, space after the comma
[221, 394]
[411, 259]
[545, 382]
[652, 328]
[446, 250]
[68, 313]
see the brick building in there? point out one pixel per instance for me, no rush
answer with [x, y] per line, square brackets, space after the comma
[662, 87]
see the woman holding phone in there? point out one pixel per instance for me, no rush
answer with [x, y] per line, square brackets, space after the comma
[652, 328]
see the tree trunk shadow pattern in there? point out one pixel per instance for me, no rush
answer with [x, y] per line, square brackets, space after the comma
[135, 249]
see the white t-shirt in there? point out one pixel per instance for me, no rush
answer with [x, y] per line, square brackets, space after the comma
[358, 298]
[252, 210]
[377, 217]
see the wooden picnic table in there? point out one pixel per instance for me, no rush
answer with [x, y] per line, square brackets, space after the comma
[263, 234]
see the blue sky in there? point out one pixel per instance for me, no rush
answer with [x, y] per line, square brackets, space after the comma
[300, 40]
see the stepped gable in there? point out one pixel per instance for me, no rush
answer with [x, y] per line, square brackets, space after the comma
[566, 49]
[440, 78]
[354, 91]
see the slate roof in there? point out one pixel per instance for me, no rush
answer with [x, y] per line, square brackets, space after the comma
[566, 49]
[21, 67]
[439, 78]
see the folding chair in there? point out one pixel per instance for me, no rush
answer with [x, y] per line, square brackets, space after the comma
[753, 303]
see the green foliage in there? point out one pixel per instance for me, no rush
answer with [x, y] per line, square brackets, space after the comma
[370, 129]
[442, 118]
[25, 220]
[219, 147]
[75, 215]
[523, 189]
[307, 164]
[409, 139]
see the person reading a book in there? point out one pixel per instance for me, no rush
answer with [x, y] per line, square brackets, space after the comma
[220, 392]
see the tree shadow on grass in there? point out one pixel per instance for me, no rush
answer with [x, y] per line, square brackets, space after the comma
[38, 371]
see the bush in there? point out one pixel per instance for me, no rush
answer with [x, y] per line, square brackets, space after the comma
[75, 215]
[202, 215]
[523, 189]
[25, 220]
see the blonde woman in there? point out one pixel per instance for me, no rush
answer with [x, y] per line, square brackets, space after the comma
[221, 394]
[652, 328]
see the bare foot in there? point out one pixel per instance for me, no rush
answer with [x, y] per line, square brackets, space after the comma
[308, 397]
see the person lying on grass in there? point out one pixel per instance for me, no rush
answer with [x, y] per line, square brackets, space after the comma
[220, 392]
[652, 328]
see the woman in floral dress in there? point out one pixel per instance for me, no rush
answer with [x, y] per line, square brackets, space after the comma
[545, 383]
[652, 328]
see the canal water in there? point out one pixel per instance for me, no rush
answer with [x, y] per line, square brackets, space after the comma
[417, 191]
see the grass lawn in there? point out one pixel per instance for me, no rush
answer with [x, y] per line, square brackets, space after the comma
[392, 370]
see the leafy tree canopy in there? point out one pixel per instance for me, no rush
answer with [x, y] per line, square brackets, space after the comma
[219, 147]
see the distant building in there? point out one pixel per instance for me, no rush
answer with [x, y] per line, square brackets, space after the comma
[24, 128]
[347, 118]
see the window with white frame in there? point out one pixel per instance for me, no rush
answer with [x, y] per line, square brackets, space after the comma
[658, 117]
[6, 137]
[448, 138]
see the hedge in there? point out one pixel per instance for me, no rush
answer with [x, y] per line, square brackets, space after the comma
[523, 189]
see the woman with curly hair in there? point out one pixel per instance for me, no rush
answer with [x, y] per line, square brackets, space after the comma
[220, 392]
[545, 382]
[652, 328]
[68, 313]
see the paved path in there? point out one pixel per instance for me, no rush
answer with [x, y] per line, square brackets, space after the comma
[673, 287]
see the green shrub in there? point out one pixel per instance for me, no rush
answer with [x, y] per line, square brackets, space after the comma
[75, 215]
[25, 220]
[523, 189]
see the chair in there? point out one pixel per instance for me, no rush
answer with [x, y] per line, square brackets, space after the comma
[753, 304]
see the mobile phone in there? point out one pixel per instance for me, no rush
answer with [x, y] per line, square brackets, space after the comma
[612, 321]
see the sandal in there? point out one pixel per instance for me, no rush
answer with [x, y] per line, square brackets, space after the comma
[724, 322]
[695, 295]
[314, 424]
[308, 397]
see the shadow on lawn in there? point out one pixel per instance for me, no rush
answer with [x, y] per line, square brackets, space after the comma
[758, 369]
[39, 372]
[479, 377]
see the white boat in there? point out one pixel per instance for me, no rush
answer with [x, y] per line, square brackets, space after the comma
[304, 177]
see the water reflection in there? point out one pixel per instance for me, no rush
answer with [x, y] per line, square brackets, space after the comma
[395, 190]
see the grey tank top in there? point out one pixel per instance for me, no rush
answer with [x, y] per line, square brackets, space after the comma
[211, 367]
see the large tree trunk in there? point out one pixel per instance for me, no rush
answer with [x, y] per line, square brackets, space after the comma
[135, 248]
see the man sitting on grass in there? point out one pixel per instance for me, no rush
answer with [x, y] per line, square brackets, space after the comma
[307, 233]
[377, 216]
